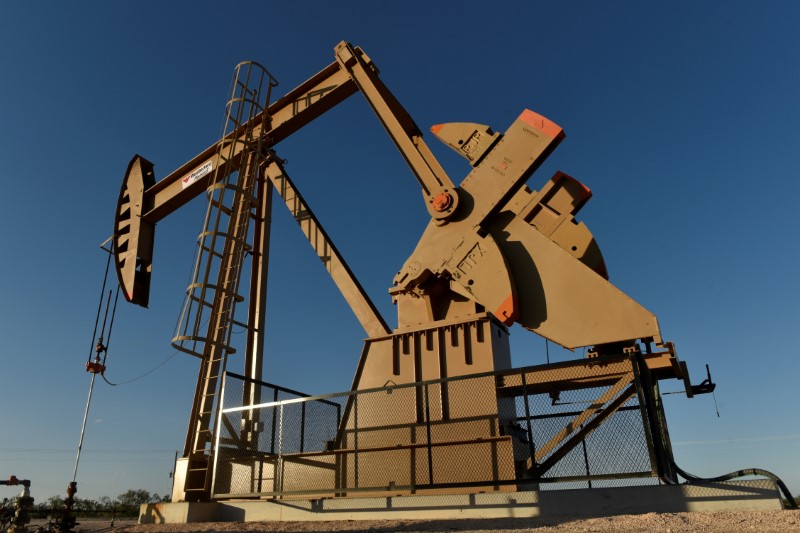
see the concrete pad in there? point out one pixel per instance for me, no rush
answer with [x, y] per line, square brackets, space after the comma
[178, 512]
[759, 495]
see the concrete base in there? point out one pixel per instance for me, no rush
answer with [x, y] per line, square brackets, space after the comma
[731, 495]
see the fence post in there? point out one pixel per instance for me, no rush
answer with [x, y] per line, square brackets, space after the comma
[274, 414]
[428, 429]
[355, 440]
[586, 460]
[531, 447]
[655, 463]
[303, 427]
[279, 463]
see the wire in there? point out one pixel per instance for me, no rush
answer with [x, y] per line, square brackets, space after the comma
[111, 324]
[99, 308]
[715, 403]
[159, 365]
[105, 318]
[716, 408]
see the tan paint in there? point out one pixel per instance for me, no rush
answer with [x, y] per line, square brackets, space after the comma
[133, 236]
[494, 253]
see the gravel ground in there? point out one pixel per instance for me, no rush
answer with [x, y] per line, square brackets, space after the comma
[727, 522]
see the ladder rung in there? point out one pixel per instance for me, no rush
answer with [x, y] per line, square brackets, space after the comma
[238, 239]
[200, 301]
[222, 207]
[208, 250]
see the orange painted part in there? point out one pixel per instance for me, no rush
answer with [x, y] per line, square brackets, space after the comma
[548, 127]
[507, 312]
[95, 368]
[436, 128]
[587, 192]
[442, 201]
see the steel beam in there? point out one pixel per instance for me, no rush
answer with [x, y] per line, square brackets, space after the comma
[324, 90]
[358, 300]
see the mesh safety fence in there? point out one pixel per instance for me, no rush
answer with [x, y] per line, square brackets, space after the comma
[535, 428]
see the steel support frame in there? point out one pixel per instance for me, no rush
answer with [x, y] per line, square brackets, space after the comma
[257, 301]
[625, 378]
[653, 422]
[587, 421]
[299, 107]
[341, 274]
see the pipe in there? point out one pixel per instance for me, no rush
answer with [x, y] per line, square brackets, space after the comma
[740, 473]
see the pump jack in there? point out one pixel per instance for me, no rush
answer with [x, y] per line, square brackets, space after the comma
[495, 253]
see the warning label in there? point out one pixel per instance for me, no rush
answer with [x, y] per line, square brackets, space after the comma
[198, 173]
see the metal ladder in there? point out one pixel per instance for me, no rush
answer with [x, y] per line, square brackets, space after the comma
[209, 310]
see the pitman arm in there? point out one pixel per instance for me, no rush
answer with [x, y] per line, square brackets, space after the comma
[439, 193]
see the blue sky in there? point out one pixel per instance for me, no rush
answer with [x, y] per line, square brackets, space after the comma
[681, 117]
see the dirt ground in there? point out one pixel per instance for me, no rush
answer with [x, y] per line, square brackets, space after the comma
[727, 522]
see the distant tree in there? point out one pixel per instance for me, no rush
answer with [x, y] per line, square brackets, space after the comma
[83, 504]
[133, 497]
[53, 502]
[126, 504]
[104, 503]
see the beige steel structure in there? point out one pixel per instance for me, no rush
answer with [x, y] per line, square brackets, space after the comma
[495, 253]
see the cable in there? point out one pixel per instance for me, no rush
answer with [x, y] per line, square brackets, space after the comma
[99, 308]
[111, 325]
[105, 319]
[716, 408]
[740, 473]
[159, 365]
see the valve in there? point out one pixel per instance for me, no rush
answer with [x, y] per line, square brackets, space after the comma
[22, 504]
[66, 521]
